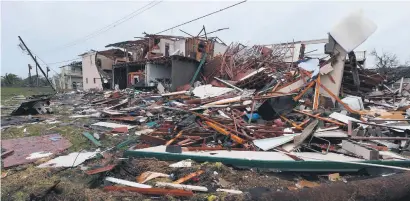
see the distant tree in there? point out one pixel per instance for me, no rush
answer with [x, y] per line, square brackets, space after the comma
[407, 63]
[385, 61]
[11, 79]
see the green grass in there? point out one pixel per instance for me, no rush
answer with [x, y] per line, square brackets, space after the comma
[8, 92]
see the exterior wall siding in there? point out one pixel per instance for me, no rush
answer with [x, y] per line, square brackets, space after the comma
[90, 72]
[154, 71]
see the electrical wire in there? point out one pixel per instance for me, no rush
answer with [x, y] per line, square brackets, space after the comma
[124, 19]
[58, 62]
[202, 16]
[112, 25]
[37, 57]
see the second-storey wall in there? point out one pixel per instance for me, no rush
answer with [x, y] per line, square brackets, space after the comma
[91, 76]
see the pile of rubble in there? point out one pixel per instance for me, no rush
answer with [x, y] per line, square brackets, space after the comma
[251, 108]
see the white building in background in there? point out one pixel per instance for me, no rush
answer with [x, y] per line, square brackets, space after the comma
[97, 68]
[71, 76]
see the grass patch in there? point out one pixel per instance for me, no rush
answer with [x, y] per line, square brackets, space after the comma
[8, 92]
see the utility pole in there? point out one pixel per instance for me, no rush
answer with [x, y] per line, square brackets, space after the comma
[28, 50]
[35, 59]
[29, 75]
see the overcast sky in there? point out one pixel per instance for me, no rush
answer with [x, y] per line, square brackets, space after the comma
[48, 26]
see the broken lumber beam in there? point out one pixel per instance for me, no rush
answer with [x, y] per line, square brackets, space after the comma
[319, 117]
[152, 139]
[151, 191]
[99, 170]
[6, 154]
[126, 183]
[308, 131]
[173, 139]
[181, 186]
[221, 125]
[365, 152]
[188, 177]
[225, 132]
[337, 99]
[231, 191]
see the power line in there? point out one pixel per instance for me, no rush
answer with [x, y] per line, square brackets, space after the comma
[202, 16]
[58, 62]
[45, 63]
[126, 18]
[114, 24]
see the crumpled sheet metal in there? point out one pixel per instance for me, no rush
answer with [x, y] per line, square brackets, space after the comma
[23, 147]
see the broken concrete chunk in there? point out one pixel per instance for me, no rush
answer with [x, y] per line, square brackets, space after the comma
[365, 152]
[308, 131]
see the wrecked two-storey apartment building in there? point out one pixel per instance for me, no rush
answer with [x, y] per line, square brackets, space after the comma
[97, 68]
[172, 61]
[71, 76]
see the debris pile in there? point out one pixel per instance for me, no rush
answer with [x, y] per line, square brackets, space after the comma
[259, 107]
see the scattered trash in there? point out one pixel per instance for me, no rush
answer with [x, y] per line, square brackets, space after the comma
[181, 186]
[37, 155]
[305, 183]
[231, 191]
[29, 149]
[334, 177]
[99, 170]
[70, 160]
[146, 176]
[126, 183]
[184, 163]
[92, 139]
[4, 174]
[217, 108]
[188, 177]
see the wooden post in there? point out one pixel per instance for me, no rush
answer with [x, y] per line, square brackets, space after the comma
[317, 95]
[35, 60]
[32, 56]
[29, 75]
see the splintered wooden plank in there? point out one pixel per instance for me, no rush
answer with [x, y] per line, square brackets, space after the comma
[308, 131]
[99, 170]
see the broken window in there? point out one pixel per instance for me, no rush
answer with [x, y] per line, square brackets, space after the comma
[166, 49]
[201, 47]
